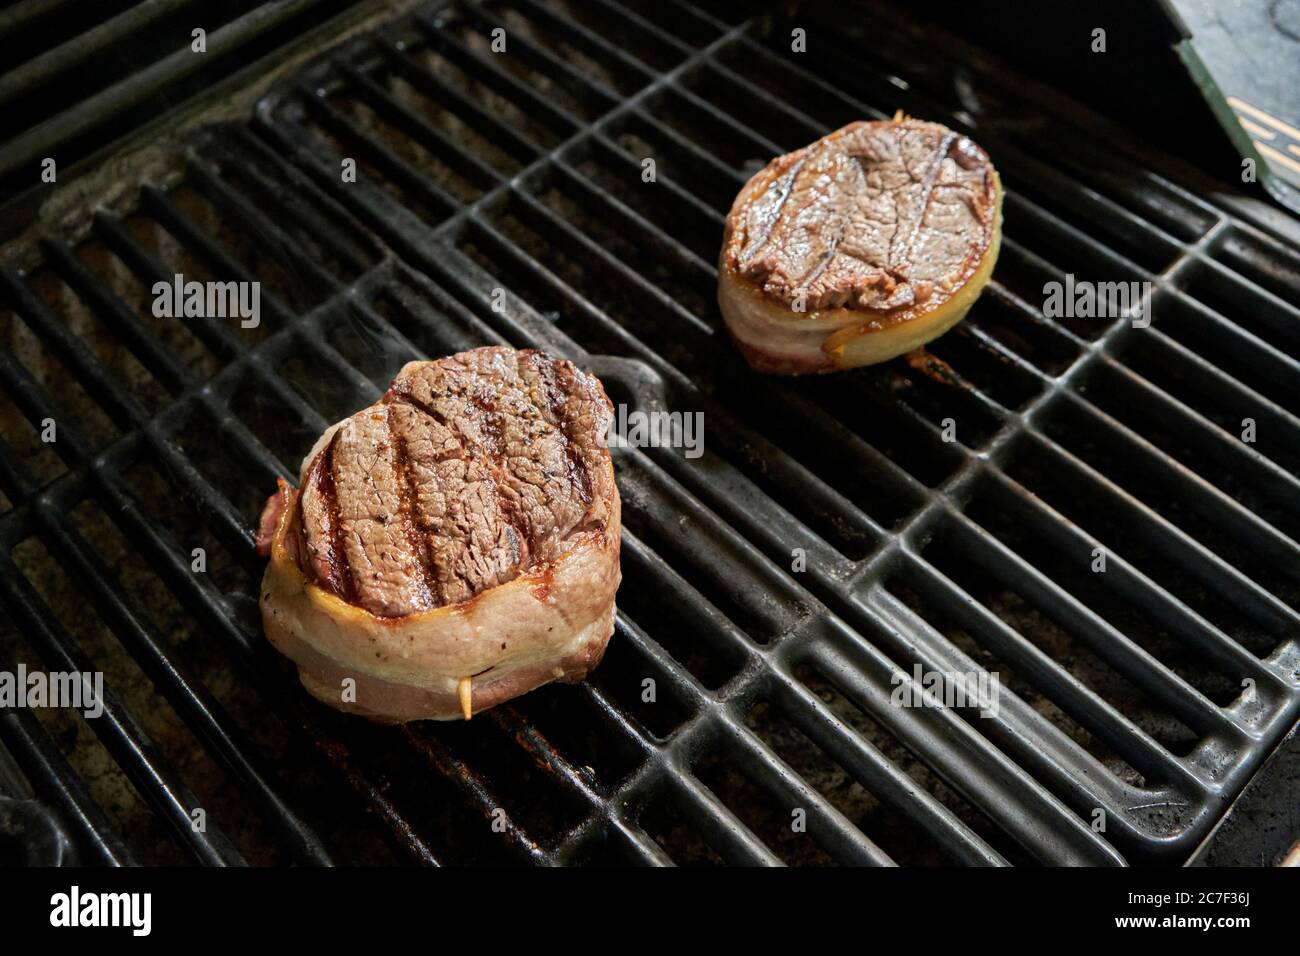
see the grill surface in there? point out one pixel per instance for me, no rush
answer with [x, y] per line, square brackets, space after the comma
[522, 171]
[78, 76]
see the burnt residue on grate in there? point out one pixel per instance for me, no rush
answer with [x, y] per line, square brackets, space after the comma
[500, 199]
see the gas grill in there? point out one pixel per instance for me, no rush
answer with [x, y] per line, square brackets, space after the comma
[827, 541]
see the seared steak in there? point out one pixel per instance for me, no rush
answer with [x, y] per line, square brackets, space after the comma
[866, 244]
[454, 544]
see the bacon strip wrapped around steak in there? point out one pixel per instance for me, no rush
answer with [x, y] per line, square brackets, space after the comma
[862, 246]
[452, 546]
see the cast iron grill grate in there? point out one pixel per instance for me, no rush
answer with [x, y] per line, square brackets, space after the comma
[521, 172]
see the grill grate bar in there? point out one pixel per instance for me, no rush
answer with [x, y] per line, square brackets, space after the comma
[680, 194]
[1080, 199]
[47, 138]
[11, 481]
[27, 78]
[665, 304]
[1257, 292]
[222, 342]
[698, 154]
[551, 66]
[758, 144]
[1082, 703]
[57, 784]
[124, 409]
[1110, 644]
[505, 83]
[36, 405]
[272, 239]
[609, 824]
[121, 735]
[1023, 733]
[432, 139]
[1206, 437]
[735, 843]
[532, 741]
[698, 14]
[620, 212]
[641, 25]
[1273, 366]
[1175, 354]
[833, 832]
[1034, 818]
[593, 94]
[186, 694]
[472, 785]
[880, 776]
[1177, 545]
[505, 137]
[161, 364]
[24, 12]
[590, 42]
[216, 259]
[1138, 587]
[1231, 514]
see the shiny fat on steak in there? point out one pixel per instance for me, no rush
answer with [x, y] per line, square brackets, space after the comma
[867, 244]
[452, 546]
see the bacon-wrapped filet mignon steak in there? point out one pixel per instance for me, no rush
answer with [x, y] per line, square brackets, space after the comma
[867, 244]
[452, 546]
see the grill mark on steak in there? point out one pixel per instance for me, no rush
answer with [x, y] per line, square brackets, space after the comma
[470, 546]
[927, 183]
[517, 524]
[556, 411]
[410, 519]
[320, 514]
[385, 572]
[520, 535]
[770, 216]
